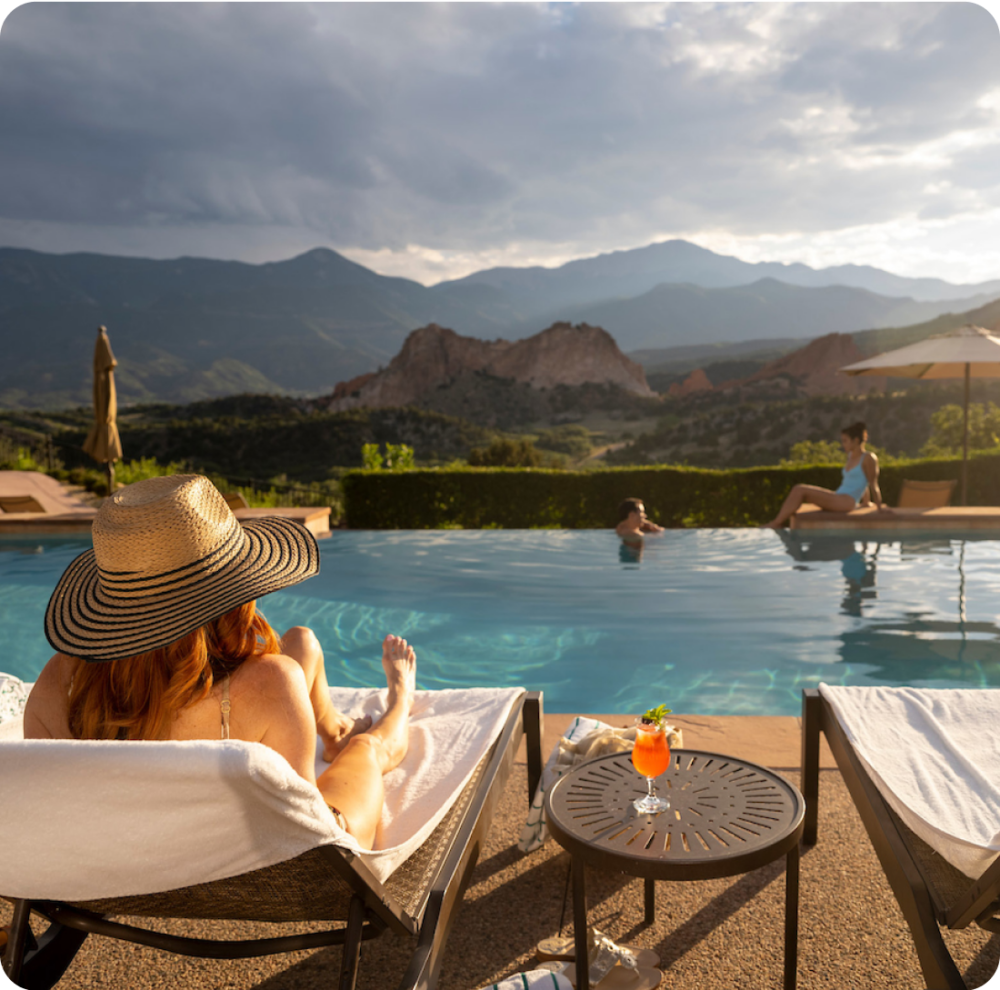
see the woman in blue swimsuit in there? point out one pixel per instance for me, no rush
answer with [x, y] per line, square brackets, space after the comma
[860, 478]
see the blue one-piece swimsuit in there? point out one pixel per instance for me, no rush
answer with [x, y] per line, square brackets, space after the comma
[855, 482]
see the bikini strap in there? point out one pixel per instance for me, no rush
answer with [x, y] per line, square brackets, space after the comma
[226, 707]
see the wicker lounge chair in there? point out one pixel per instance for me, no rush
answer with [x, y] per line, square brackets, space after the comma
[420, 899]
[931, 892]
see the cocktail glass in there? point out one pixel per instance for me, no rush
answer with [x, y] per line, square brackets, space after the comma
[650, 756]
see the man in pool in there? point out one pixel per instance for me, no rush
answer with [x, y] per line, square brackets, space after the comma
[633, 524]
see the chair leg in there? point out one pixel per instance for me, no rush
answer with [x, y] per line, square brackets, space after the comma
[534, 726]
[20, 934]
[40, 965]
[810, 763]
[352, 944]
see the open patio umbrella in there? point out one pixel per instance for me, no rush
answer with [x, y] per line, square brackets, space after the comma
[103, 442]
[968, 352]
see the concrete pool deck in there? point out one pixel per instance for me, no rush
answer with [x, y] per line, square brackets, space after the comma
[711, 935]
[953, 519]
[65, 513]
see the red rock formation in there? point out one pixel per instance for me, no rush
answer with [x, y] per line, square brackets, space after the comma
[815, 368]
[697, 381]
[434, 356]
[344, 389]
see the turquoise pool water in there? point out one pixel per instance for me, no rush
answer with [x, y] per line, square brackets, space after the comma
[707, 621]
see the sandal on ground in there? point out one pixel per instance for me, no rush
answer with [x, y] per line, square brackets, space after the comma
[563, 949]
[617, 978]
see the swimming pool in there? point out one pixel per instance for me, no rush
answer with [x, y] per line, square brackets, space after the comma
[708, 621]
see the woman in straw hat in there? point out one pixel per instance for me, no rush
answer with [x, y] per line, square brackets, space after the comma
[158, 637]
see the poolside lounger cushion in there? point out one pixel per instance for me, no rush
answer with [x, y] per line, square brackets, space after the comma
[115, 819]
[925, 494]
[935, 757]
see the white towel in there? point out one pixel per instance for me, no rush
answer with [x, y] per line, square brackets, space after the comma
[82, 820]
[935, 757]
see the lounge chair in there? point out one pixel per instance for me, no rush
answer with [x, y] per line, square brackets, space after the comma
[925, 494]
[236, 500]
[322, 882]
[931, 891]
[20, 503]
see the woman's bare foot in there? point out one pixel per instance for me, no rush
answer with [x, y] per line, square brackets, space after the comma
[400, 665]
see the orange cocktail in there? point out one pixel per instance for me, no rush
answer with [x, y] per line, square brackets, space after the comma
[650, 754]
[650, 757]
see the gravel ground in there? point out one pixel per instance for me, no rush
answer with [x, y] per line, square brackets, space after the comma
[717, 934]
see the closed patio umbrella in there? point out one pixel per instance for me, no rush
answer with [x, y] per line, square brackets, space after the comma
[103, 442]
[968, 352]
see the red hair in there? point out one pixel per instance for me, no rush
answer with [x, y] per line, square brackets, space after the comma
[139, 697]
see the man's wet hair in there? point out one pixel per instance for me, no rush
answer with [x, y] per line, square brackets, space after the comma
[627, 507]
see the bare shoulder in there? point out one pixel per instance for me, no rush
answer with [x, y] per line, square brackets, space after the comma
[269, 690]
[272, 675]
[46, 714]
[270, 704]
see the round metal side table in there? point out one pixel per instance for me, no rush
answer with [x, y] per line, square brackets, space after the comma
[726, 816]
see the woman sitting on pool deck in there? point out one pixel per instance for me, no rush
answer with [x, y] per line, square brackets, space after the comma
[860, 477]
[158, 637]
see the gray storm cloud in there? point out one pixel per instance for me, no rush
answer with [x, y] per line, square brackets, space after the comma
[462, 126]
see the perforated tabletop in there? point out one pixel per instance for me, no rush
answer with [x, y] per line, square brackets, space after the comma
[727, 816]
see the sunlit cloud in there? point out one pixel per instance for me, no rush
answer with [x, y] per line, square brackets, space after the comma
[432, 140]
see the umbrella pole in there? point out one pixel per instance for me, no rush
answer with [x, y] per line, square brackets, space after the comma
[965, 441]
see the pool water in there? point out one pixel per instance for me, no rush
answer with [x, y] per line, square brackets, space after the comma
[706, 621]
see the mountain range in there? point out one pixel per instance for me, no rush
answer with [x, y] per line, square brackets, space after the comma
[542, 292]
[193, 328]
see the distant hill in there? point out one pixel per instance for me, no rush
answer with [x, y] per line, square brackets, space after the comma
[690, 314]
[888, 339]
[720, 360]
[545, 293]
[194, 328]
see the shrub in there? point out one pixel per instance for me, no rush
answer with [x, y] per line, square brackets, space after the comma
[674, 496]
[947, 426]
[14, 458]
[397, 457]
[571, 439]
[505, 453]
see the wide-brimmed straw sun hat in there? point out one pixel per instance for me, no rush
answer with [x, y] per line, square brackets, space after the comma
[168, 557]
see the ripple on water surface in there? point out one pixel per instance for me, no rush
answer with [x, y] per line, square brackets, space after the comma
[709, 621]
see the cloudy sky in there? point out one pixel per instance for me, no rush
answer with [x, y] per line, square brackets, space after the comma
[432, 140]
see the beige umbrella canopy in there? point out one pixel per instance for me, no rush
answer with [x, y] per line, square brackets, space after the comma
[968, 352]
[103, 442]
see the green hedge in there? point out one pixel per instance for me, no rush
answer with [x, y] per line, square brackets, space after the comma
[518, 498]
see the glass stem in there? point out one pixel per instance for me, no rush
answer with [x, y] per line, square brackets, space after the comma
[649, 784]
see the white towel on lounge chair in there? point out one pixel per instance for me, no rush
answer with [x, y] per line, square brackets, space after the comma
[85, 820]
[934, 754]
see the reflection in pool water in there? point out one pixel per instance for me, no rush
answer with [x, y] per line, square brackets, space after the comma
[920, 645]
[709, 621]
